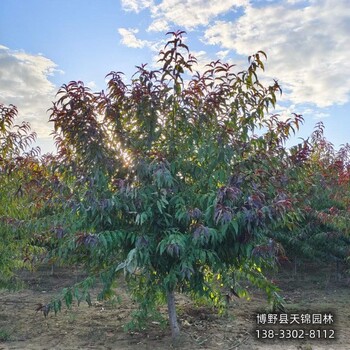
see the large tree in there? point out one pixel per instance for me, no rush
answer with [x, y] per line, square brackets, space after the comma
[169, 182]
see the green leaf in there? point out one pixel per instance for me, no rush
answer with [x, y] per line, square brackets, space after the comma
[131, 261]
[234, 225]
[159, 205]
[103, 241]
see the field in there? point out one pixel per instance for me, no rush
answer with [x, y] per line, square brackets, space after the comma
[101, 326]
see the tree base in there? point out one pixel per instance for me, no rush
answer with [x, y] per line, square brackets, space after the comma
[174, 326]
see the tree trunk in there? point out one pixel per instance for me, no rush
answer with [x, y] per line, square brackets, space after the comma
[175, 330]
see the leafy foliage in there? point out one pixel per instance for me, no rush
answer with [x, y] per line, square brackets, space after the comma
[31, 196]
[170, 182]
[18, 168]
[179, 180]
[322, 186]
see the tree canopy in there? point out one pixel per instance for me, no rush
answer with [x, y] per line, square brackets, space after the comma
[178, 179]
[171, 183]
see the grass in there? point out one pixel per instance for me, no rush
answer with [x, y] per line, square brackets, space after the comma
[4, 335]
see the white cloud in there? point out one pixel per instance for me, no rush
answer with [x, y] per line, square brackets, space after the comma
[307, 46]
[315, 114]
[285, 112]
[222, 54]
[92, 85]
[136, 5]
[158, 25]
[24, 81]
[129, 38]
[192, 13]
[186, 14]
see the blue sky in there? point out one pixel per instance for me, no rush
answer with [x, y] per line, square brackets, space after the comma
[46, 43]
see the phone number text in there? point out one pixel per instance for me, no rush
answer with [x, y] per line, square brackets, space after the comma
[295, 333]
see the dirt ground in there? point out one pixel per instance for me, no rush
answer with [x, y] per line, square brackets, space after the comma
[101, 326]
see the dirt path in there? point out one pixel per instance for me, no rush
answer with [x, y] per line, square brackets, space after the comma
[101, 326]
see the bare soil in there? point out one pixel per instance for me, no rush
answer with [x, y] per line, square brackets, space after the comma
[101, 326]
